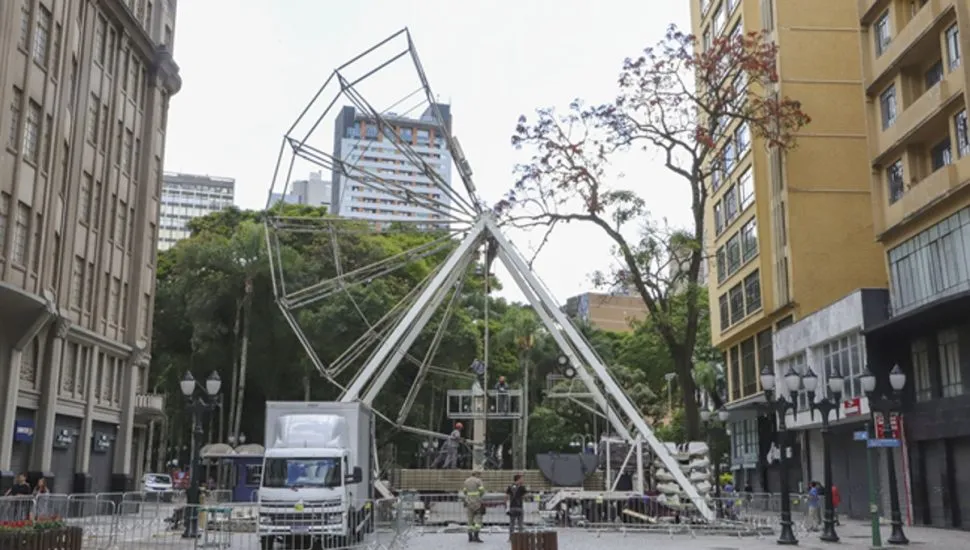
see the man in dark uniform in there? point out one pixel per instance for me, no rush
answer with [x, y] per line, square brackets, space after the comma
[514, 496]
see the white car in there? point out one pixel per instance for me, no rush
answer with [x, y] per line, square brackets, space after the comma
[158, 483]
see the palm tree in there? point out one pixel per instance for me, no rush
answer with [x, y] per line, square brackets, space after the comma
[520, 326]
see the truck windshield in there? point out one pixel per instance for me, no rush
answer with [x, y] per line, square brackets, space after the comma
[302, 472]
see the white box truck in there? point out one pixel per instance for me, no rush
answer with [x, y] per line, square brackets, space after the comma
[316, 483]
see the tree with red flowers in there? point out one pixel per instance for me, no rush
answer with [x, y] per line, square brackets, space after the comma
[680, 101]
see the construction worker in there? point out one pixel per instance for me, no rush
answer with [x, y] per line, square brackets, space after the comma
[474, 493]
[502, 397]
[448, 457]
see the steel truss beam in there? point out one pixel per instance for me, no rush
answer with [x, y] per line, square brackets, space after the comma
[590, 368]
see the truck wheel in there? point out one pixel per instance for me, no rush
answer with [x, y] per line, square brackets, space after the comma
[266, 543]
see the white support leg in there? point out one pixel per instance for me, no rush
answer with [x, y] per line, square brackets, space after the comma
[581, 371]
[470, 242]
[628, 408]
[417, 326]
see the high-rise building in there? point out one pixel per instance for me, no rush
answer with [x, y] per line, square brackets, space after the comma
[85, 88]
[314, 191]
[358, 142]
[187, 196]
[915, 86]
[791, 232]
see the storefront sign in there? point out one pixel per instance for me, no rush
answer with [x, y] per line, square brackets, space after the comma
[101, 443]
[852, 407]
[63, 439]
[881, 425]
[23, 431]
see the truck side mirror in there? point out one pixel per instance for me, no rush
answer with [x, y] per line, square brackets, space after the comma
[356, 477]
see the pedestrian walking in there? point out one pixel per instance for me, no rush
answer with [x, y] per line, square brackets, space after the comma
[474, 491]
[814, 515]
[514, 496]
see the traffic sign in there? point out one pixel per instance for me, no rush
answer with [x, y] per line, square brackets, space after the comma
[883, 443]
[860, 436]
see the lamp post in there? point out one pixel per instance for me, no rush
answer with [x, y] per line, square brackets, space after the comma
[825, 406]
[199, 404]
[235, 441]
[886, 404]
[714, 424]
[781, 403]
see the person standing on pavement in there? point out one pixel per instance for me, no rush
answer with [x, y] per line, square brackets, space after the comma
[514, 496]
[814, 516]
[474, 493]
[836, 499]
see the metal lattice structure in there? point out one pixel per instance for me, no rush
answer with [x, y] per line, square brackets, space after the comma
[467, 232]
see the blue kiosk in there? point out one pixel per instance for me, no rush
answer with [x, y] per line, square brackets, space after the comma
[236, 470]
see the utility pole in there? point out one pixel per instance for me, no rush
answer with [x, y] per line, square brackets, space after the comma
[873, 505]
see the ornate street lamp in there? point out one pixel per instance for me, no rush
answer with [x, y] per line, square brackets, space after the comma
[887, 404]
[825, 406]
[781, 402]
[199, 404]
[715, 424]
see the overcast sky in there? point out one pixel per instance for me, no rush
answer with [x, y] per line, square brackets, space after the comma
[250, 66]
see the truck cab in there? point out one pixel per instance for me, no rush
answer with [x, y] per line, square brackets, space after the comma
[312, 486]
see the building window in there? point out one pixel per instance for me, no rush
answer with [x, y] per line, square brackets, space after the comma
[734, 253]
[724, 311]
[766, 352]
[370, 132]
[20, 234]
[126, 154]
[77, 282]
[100, 29]
[89, 288]
[749, 240]
[84, 199]
[736, 297]
[743, 137]
[752, 293]
[48, 143]
[4, 217]
[746, 188]
[934, 75]
[932, 264]
[920, 354]
[32, 132]
[953, 47]
[720, 18]
[894, 180]
[730, 204]
[749, 367]
[951, 379]
[721, 264]
[716, 179]
[844, 355]
[13, 140]
[24, 24]
[941, 155]
[735, 372]
[730, 157]
[42, 39]
[887, 104]
[882, 33]
[963, 143]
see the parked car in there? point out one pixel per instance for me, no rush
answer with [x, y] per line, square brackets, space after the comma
[157, 487]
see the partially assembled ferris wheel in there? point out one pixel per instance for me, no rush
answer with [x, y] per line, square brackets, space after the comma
[422, 195]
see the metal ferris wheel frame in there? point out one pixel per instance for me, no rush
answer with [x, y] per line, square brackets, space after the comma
[390, 338]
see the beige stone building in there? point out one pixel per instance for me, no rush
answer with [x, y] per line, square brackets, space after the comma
[85, 88]
[612, 312]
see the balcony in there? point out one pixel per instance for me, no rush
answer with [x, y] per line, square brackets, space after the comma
[149, 405]
[912, 118]
[906, 44]
[868, 9]
[925, 193]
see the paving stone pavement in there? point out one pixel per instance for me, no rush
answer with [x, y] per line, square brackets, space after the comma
[854, 535]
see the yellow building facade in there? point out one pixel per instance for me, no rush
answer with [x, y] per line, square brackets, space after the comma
[790, 232]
